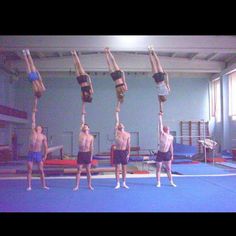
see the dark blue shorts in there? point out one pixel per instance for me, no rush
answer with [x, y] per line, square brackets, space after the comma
[120, 157]
[163, 156]
[33, 76]
[84, 158]
[35, 157]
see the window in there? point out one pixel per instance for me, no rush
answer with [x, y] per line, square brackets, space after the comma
[232, 95]
[216, 100]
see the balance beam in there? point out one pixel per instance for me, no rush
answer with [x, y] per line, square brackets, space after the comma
[55, 148]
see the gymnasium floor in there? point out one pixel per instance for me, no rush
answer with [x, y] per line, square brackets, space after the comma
[200, 188]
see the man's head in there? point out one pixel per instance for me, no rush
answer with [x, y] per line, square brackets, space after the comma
[39, 129]
[166, 129]
[85, 128]
[120, 127]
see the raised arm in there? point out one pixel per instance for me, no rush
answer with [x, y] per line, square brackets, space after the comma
[34, 113]
[117, 122]
[45, 143]
[83, 114]
[160, 123]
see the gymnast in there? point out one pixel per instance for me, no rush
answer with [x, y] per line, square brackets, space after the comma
[33, 74]
[117, 75]
[165, 152]
[122, 151]
[83, 79]
[85, 153]
[160, 77]
[37, 141]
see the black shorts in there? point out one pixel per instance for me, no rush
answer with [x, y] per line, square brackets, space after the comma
[82, 79]
[163, 156]
[84, 158]
[120, 157]
[159, 77]
[116, 75]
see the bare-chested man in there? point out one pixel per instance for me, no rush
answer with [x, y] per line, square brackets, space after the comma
[165, 153]
[85, 153]
[37, 141]
[122, 150]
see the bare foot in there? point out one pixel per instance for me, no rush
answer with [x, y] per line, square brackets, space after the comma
[76, 188]
[117, 186]
[91, 188]
[125, 186]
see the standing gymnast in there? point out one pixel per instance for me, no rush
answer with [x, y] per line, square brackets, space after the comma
[165, 152]
[122, 151]
[33, 74]
[37, 141]
[160, 77]
[85, 153]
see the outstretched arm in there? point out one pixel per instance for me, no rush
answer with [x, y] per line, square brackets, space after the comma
[34, 113]
[117, 122]
[91, 85]
[167, 81]
[83, 114]
[160, 123]
[124, 80]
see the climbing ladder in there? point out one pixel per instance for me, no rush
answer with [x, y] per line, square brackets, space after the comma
[192, 131]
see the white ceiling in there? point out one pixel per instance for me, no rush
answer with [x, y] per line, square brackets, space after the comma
[178, 54]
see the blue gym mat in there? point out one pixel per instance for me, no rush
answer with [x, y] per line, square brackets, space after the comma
[192, 194]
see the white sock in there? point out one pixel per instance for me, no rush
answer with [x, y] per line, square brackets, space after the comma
[24, 52]
[45, 187]
[29, 189]
[27, 51]
[172, 184]
[91, 188]
[158, 184]
[124, 185]
[76, 188]
[117, 185]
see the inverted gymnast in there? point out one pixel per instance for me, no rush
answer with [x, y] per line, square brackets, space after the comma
[33, 74]
[85, 153]
[121, 152]
[37, 141]
[117, 75]
[165, 152]
[160, 77]
[83, 79]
